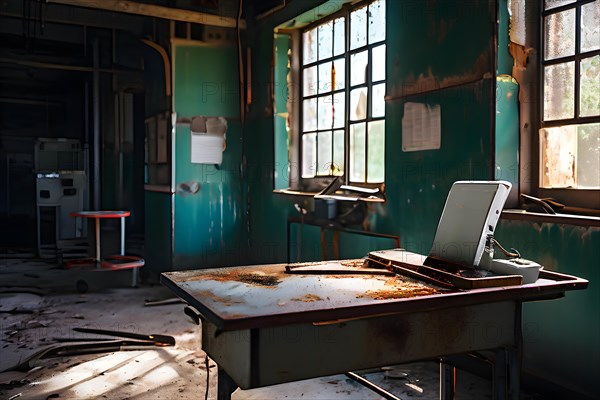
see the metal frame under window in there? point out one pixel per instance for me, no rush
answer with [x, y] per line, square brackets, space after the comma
[318, 181]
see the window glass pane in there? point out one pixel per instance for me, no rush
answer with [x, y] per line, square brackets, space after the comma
[358, 28]
[358, 68]
[557, 156]
[325, 77]
[589, 100]
[570, 156]
[325, 40]
[378, 61]
[588, 156]
[377, 21]
[357, 152]
[358, 103]
[378, 101]
[590, 21]
[338, 152]
[548, 4]
[340, 74]
[310, 81]
[324, 144]
[339, 36]
[309, 154]
[325, 113]
[309, 48]
[376, 152]
[559, 95]
[309, 115]
[559, 35]
[338, 109]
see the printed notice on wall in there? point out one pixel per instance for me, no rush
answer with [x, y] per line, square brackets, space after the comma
[421, 127]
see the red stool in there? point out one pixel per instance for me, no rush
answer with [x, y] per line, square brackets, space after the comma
[113, 262]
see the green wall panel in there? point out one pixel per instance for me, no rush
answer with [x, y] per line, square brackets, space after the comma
[507, 135]
[561, 337]
[209, 226]
[157, 251]
[280, 97]
[457, 50]
[417, 183]
[205, 80]
[505, 60]
[438, 44]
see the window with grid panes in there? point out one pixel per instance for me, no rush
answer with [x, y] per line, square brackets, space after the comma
[570, 108]
[342, 101]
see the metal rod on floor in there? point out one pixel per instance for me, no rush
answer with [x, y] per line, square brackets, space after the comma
[372, 386]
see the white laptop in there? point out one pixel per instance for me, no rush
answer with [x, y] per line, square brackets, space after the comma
[470, 214]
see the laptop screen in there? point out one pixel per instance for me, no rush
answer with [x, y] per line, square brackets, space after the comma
[471, 212]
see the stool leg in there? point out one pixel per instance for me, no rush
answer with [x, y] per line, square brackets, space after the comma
[122, 236]
[134, 275]
[97, 240]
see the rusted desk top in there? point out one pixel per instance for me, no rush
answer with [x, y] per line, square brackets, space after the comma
[265, 295]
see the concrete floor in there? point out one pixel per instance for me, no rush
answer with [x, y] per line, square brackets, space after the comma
[40, 304]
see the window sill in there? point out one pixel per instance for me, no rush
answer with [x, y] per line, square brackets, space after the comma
[339, 197]
[292, 192]
[568, 219]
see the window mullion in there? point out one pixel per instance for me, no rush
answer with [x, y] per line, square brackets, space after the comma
[347, 101]
[578, 60]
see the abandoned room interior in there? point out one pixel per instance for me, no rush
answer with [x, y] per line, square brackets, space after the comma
[301, 199]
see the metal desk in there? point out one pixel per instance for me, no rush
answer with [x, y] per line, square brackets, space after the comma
[264, 327]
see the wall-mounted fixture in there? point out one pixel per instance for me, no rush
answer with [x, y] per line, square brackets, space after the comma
[208, 139]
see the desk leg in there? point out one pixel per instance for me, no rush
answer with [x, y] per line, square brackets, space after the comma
[225, 386]
[447, 381]
[514, 356]
[507, 368]
[500, 376]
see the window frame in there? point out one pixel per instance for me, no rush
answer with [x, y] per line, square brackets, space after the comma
[317, 182]
[582, 197]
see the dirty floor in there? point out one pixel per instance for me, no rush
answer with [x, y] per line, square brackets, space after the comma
[40, 306]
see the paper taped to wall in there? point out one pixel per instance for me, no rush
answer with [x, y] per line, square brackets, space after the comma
[421, 127]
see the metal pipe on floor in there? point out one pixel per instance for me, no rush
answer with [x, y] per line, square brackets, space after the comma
[365, 382]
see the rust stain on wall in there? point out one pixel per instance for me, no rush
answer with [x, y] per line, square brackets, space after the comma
[430, 82]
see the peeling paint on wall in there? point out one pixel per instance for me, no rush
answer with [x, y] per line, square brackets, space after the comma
[430, 82]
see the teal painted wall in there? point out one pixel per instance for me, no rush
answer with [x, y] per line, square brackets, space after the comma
[507, 136]
[157, 239]
[280, 113]
[561, 337]
[430, 40]
[209, 226]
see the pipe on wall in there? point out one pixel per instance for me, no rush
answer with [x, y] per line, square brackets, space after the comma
[96, 142]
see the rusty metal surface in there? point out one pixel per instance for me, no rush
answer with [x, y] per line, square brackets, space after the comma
[440, 272]
[272, 355]
[264, 295]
